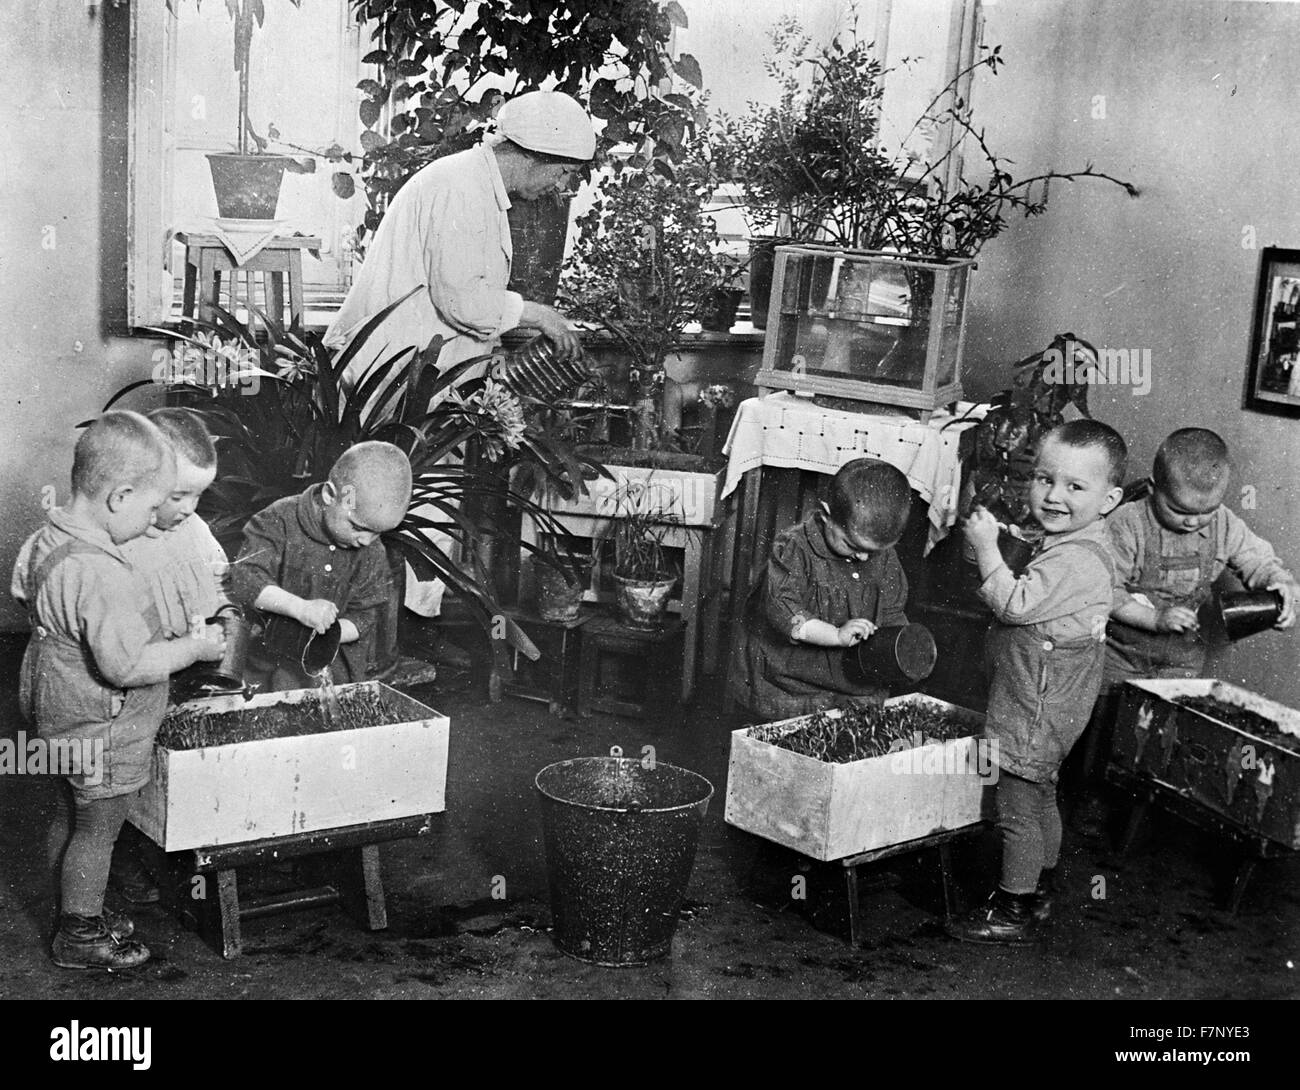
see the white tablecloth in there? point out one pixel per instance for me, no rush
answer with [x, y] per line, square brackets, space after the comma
[788, 431]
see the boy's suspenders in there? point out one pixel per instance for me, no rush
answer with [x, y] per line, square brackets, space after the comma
[37, 576]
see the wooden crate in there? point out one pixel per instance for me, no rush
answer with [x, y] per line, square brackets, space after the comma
[280, 786]
[832, 811]
[1251, 778]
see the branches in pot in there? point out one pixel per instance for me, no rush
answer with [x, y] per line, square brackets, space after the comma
[811, 167]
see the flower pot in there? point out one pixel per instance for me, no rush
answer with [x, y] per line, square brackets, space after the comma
[762, 261]
[1246, 614]
[247, 186]
[643, 603]
[558, 600]
[719, 312]
[1016, 551]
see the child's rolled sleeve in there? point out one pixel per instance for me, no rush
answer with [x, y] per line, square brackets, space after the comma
[1250, 557]
[789, 583]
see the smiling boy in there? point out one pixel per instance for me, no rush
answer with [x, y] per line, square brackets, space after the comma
[314, 558]
[1046, 648]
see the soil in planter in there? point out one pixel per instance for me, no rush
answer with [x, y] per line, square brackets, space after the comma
[652, 459]
[858, 734]
[1243, 719]
[192, 729]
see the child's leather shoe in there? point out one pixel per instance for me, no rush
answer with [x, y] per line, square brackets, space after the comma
[1040, 905]
[119, 926]
[1004, 919]
[86, 942]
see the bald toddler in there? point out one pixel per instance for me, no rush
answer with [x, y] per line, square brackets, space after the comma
[311, 559]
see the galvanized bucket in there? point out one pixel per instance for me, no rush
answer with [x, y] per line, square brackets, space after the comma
[620, 844]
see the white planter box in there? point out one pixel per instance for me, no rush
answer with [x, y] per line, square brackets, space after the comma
[832, 811]
[246, 791]
[692, 497]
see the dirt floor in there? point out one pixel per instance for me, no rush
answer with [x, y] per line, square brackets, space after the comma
[1158, 932]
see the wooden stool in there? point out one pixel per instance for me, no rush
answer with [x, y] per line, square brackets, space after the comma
[280, 260]
[202, 886]
[940, 841]
[627, 671]
[554, 678]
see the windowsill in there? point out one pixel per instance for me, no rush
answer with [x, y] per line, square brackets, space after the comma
[322, 309]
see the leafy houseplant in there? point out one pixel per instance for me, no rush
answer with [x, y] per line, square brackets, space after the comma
[645, 260]
[247, 181]
[304, 415]
[999, 452]
[643, 575]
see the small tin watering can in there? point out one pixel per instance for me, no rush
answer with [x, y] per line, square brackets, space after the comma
[226, 676]
[896, 656]
[1242, 615]
[321, 650]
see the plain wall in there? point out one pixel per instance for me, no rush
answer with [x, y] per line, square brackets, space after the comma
[63, 109]
[1199, 113]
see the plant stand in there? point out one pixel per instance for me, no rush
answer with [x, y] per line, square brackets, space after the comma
[555, 678]
[613, 653]
[279, 263]
[203, 886]
[700, 603]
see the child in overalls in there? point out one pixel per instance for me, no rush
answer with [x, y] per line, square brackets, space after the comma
[314, 558]
[831, 582]
[1046, 648]
[95, 672]
[1169, 548]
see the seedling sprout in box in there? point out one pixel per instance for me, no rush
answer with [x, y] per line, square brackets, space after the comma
[840, 736]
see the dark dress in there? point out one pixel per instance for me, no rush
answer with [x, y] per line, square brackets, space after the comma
[778, 677]
[286, 545]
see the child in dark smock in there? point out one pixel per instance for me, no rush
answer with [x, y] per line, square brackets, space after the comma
[314, 558]
[831, 582]
[95, 672]
[1046, 647]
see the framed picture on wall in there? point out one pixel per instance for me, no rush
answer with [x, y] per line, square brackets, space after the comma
[1273, 375]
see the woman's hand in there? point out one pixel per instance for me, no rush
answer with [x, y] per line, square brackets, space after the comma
[555, 328]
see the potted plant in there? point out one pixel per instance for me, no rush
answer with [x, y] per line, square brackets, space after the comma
[282, 414]
[643, 576]
[561, 572]
[645, 259]
[247, 180]
[811, 167]
[998, 453]
[718, 311]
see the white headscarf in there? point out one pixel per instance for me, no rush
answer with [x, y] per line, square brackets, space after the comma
[549, 122]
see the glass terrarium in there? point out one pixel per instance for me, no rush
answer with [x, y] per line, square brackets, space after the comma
[866, 326]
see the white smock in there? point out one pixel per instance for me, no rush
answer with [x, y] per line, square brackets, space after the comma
[447, 231]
